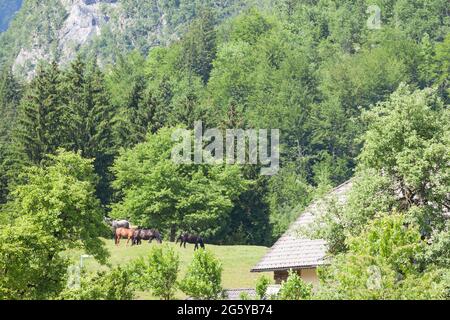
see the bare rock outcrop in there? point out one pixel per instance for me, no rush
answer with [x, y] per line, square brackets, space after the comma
[83, 21]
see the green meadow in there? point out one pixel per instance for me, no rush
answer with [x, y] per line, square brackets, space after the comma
[236, 261]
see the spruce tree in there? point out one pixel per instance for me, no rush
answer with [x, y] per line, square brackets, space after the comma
[10, 93]
[89, 117]
[199, 46]
[41, 115]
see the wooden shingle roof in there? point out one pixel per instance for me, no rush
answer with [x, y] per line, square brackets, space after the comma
[292, 251]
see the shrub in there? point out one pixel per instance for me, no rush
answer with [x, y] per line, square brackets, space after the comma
[158, 272]
[294, 288]
[261, 287]
[203, 278]
[114, 284]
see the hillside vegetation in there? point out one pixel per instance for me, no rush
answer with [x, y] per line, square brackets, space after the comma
[7, 10]
[237, 261]
[358, 89]
[59, 29]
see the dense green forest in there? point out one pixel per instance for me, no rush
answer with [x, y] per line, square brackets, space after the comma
[93, 137]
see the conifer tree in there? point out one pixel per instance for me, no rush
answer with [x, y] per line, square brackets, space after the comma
[10, 93]
[89, 117]
[41, 115]
[199, 46]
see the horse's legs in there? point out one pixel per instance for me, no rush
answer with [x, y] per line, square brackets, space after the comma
[196, 246]
[185, 244]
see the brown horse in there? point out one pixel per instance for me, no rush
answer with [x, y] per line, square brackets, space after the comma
[123, 233]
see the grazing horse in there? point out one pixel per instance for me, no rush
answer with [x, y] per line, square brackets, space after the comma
[190, 238]
[123, 233]
[118, 223]
[146, 234]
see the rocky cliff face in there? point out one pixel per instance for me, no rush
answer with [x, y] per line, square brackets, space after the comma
[83, 21]
[59, 29]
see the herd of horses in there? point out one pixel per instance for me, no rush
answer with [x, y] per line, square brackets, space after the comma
[122, 230]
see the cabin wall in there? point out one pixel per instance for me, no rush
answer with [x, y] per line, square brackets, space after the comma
[308, 275]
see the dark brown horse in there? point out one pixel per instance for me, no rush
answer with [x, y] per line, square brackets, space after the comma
[146, 234]
[190, 238]
[123, 233]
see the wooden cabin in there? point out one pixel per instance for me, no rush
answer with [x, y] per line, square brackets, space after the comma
[297, 253]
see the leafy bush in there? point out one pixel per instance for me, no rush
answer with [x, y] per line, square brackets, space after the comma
[203, 278]
[383, 263]
[115, 284]
[261, 287]
[159, 271]
[294, 288]
[30, 264]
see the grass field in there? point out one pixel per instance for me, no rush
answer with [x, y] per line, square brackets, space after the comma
[236, 261]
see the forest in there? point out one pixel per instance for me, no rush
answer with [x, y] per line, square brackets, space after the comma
[352, 99]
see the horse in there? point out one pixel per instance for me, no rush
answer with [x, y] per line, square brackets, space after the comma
[118, 223]
[146, 234]
[190, 238]
[123, 233]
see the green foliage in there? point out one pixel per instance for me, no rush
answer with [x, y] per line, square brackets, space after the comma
[409, 17]
[199, 46]
[159, 193]
[114, 284]
[309, 68]
[370, 193]
[244, 296]
[203, 277]
[87, 109]
[294, 288]
[41, 115]
[132, 25]
[69, 109]
[55, 209]
[60, 199]
[88, 119]
[289, 193]
[381, 264]
[442, 66]
[261, 287]
[134, 107]
[402, 166]
[438, 252]
[36, 24]
[10, 95]
[158, 272]
[30, 261]
[407, 141]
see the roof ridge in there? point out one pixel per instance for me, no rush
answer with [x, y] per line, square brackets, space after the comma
[287, 234]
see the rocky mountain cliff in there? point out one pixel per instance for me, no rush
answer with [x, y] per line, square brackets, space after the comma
[83, 20]
[59, 29]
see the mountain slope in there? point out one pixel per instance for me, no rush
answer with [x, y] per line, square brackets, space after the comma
[7, 10]
[58, 29]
